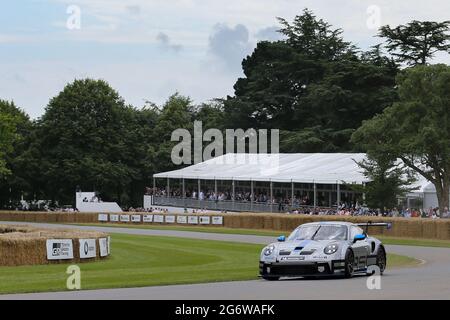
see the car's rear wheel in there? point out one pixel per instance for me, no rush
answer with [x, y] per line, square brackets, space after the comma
[271, 278]
[349, 263]
[381, 260]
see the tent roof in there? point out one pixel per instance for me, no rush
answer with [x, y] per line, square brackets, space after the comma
[323, 168]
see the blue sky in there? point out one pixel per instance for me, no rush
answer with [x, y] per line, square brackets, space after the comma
[148, 49]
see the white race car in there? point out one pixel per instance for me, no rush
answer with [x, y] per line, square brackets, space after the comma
[324, 248]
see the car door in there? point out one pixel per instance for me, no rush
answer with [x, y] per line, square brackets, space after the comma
[361, 249]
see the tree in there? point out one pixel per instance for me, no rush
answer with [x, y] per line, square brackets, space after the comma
[416, 128]
[7, 134]
[389, 180]
[177, 113]
[416, 42]
[88, 137]
[312, 84]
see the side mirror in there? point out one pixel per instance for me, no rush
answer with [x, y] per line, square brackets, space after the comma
[359, 237]
[281, 239]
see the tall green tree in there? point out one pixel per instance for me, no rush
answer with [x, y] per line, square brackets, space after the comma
[311, 85]
[416, 128]
[417, 42]
[89, 137]
[389, 180]
[15, 132]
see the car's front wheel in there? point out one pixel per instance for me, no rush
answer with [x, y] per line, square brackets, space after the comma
[349, 263]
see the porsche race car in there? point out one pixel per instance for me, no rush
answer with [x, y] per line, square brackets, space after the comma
[324, 248]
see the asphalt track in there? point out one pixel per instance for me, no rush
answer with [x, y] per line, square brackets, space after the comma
[431, 280]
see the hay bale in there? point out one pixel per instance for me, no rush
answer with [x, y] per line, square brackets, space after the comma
[25, 245]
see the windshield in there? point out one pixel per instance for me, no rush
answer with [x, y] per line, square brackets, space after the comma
[319, 232]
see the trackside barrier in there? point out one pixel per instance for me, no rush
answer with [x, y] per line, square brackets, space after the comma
[401, 227]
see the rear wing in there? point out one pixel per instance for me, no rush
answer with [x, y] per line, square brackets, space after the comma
[368, 224]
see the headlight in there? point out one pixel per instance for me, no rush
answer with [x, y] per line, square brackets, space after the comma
[331, 248]
[268, 251]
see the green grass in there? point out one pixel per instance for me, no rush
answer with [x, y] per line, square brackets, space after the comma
[398, 261]
[257, 232]
[138, 261]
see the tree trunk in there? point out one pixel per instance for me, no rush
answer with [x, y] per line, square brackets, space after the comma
[442, 192]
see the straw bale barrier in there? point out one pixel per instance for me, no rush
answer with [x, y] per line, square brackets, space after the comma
[25, 245]
[401, 227]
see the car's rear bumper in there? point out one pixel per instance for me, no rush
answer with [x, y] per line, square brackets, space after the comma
[277, 269]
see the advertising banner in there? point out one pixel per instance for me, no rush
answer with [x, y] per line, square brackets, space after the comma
[136, 218]
[217, 220]
[59, 249]
[204, 220]
[114, 217]
[88, 249]
[103, 244]
[158, 218]
[124, 218]
[103, 217]
[148, 218]
[170, 219]
[182, 219]
[193, 219]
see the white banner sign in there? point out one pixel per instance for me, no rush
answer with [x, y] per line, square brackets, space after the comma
[217, 220]
[148, 218]
[158, 218]
[103, 217]
[136, 218]
[170, 219]
[103, 243]
[88, 249]
[59, 249]
[181, 219]
[193, 219]
[124, 218]
[204, 220]
[114, 217]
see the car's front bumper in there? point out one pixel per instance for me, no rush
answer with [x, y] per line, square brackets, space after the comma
[309, 268]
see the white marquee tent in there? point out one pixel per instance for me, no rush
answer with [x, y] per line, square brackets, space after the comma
[313, 168]
[325, 168]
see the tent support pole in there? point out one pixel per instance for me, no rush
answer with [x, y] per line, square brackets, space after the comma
[184, 193]
[292, 195]
[315, 195]
[232, 193]
[154, 191]
[251, 195]
[338, 190]
[271, 196]
[198, 194]
[168, 187]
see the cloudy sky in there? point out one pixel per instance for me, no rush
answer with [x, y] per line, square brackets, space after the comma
[148, 49]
